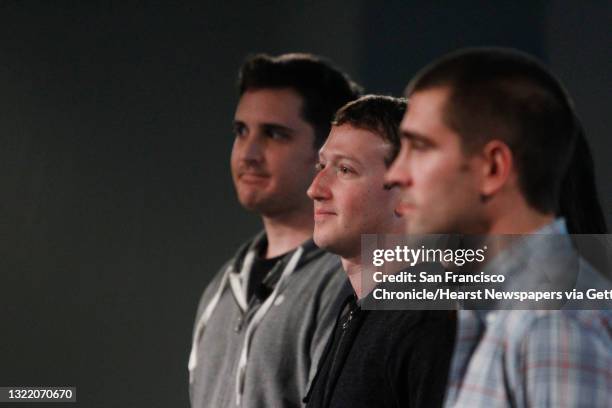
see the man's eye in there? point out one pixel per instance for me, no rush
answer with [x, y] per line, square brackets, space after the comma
[276, 134]
[239, 130]
[319, 167]
[344, 170]
[418, 144]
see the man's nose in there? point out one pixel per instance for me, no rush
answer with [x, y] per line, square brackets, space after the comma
[319, 189]
[252, 150]
[399, 173]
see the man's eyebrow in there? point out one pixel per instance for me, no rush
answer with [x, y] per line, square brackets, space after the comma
[268, 126]
[412, 135]
[334, 157]
[276, 126]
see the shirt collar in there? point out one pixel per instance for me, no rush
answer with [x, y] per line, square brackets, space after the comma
[507, 263]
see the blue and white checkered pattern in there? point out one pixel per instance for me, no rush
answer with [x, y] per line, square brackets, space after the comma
[527, 358]
[532, 358]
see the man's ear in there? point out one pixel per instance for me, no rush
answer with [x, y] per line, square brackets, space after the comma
[497, 169]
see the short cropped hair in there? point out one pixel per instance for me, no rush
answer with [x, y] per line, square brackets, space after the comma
[504, 94]
[376, 113]
[322, 87]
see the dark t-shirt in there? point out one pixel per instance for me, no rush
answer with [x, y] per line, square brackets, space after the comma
[384, 358]
[257, 279]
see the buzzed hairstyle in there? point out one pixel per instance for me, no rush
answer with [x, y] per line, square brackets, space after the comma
[376, 113]
[322, 86]
[503, 94]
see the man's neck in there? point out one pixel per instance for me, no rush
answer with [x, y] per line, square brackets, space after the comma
[287, 232]
[352, 267]
[520, 223]
[517, 217]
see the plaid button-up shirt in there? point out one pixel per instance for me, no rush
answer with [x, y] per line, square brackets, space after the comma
[532, 358]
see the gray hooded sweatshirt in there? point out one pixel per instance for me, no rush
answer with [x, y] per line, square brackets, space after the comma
[263, 354]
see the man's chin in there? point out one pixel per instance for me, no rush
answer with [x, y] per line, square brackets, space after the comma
[323, 242]
[416, 228]
[254, 204]
[319, 241]
[334, 246]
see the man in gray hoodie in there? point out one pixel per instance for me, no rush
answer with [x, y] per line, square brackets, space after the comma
[263, 321]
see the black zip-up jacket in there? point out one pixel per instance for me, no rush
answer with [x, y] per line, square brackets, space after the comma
[385, 358]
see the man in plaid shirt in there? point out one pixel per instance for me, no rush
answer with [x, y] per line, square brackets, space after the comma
[486, 143]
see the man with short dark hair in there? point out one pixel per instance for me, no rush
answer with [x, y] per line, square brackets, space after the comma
[485, 145]
[375, 358]
[264, 319]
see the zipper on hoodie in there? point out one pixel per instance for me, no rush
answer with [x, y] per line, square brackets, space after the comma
[238, 325]
[246, 316]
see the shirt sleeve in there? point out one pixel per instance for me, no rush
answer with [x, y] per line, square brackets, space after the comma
[565, 362]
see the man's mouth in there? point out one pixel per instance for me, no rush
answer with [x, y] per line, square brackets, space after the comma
[253, 177]
[404, 208]
[322, 213]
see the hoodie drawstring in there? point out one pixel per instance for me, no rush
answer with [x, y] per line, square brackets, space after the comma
[258, 317]
[238, 285]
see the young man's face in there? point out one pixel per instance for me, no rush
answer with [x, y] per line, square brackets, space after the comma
[348, 191]
[438, 182]
[273, 157]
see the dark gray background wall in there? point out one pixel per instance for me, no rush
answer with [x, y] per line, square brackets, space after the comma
[117, 205]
